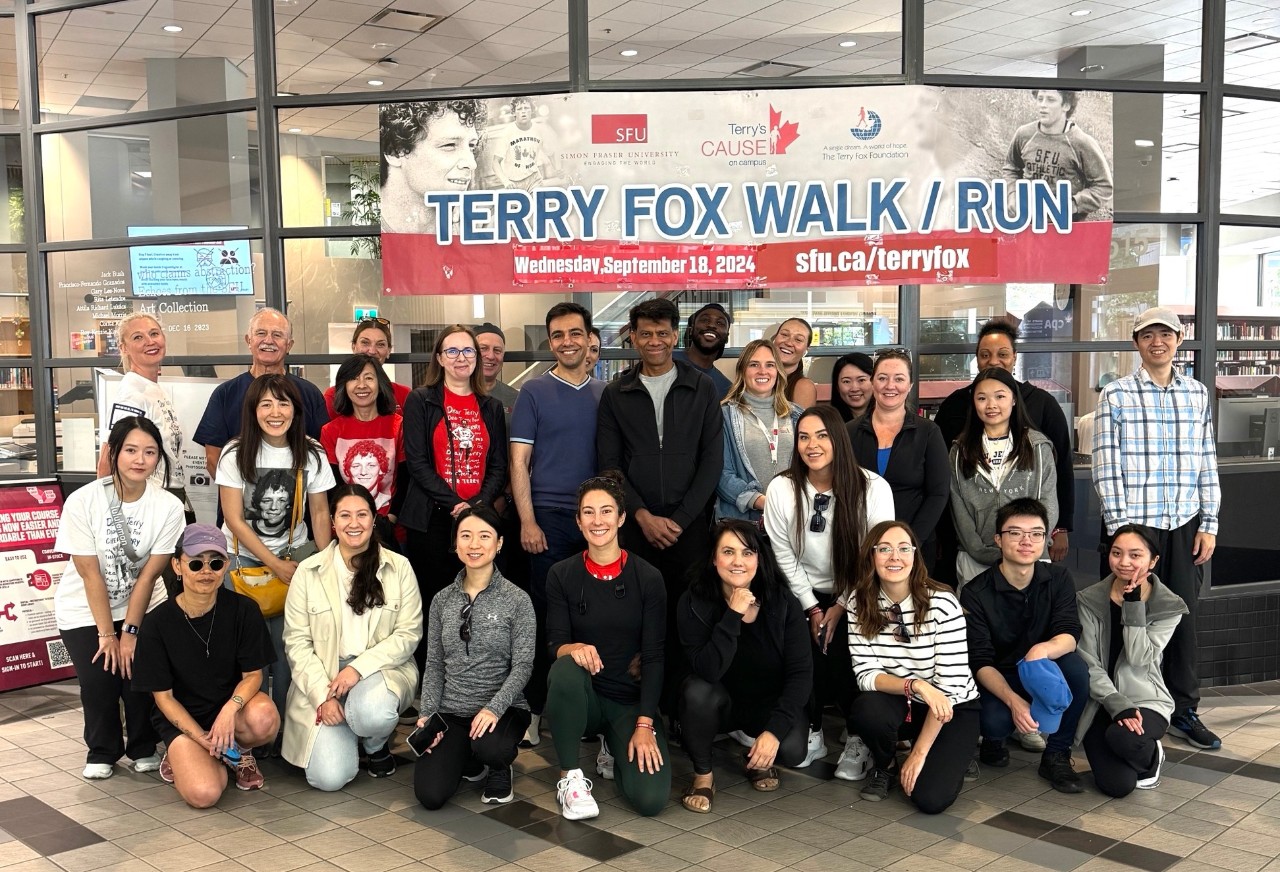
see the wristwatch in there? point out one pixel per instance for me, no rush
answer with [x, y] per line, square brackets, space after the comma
[131, 629]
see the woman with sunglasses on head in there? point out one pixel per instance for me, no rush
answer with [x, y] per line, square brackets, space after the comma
[751, 671]
[372, 338]
[998, 457]
[792, 340]
[351, 623]
[759, 432]
[606, 628]
[202, 656]
[118, 532]
[816, 514]
[1127, 620]
[905, 448]
[851, 393]
[480, 640]
[911, 660]
[363, 439]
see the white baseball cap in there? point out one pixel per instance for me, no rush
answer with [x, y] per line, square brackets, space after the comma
[1158, 315]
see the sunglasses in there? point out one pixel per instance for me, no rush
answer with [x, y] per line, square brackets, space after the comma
[619, 591]
[900, 632]
[464, 631]
[215, 563]
[364, 322]
[818, 523]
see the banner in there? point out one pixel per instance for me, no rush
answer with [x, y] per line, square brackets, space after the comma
[701, 190]
[31, 651]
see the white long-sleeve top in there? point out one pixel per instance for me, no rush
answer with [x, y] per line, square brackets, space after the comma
[937, 653]
[807, 563]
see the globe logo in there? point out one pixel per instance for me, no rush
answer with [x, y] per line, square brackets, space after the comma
[868, 126]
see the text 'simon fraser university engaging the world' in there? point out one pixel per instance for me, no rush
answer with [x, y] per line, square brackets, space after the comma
[758, 189]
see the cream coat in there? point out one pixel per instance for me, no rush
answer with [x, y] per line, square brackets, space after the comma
[312, 622]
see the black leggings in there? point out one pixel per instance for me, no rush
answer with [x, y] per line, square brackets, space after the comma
[833, 682]
[879, 718]
[706, 709]
[1118, 756]
[430, 553]
[436, 775]
[101, 694]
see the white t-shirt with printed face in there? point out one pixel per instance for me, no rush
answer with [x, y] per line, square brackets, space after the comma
[155, 522]
[145, 398]
[268, 500]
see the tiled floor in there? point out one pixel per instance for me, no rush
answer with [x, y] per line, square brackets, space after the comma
[1212, 811]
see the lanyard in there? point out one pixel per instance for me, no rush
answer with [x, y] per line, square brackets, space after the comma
[771, 439]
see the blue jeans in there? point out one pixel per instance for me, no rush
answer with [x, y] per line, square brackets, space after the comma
[372, 712]
[997, 720]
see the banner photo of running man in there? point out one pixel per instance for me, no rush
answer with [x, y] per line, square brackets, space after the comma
[869, 186]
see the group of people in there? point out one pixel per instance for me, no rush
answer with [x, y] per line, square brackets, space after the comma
[650, 561]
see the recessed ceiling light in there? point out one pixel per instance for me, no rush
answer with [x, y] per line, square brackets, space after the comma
[173, 28]
[44, 109]
[295, 129]
[285, 94]
[848, 43]
[375, 82]
[1143, 143]
[1081, 13]
[628, 52]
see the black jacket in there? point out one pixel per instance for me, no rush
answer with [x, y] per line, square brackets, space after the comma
[677, 477]
[709, 632]
[427, 491]
[1045, 415]
[918, 471]
[1002, 622]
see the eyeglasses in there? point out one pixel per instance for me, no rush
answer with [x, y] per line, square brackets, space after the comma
[452, 353]
[818, 523]
[893, 353]
[1033, 535]
[464, 631]
[215, 563]
[904, 550]
[900, 632]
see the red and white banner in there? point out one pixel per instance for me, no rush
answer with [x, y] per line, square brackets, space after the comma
[31, 651]
[853, 186]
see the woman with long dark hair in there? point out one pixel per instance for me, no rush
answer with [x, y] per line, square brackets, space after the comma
[371, 337]
[911, 661]
[263, 475]
[851, 393]
[119, 532]
[792, 340]
[606, 630]
[816, 514]
[905, 448]
[351, 623]
[751, 672]
[998, 457]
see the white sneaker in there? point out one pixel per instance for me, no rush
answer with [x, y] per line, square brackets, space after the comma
[1152, 781]
[1033, 741]
[533, 735]
[574, 795]
[98, 771]
[855, 760]
[816, 751]
[147, 764]
[743, 739]
[604, 762]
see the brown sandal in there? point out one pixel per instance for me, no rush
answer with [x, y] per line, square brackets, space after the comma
[763, 780]
[707, 793]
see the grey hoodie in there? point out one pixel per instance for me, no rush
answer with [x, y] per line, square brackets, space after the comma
[975, 501]
[1147, 628]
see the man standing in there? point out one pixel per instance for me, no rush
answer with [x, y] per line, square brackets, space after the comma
[705, 336]
[659, 423]
[493, 349]
[1155, 463]
[1022, 609]
[549, 459]
[270, 338]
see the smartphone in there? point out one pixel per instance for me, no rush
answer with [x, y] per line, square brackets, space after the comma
[421, 738]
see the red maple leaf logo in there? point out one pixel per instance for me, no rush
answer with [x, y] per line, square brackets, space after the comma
[781, 133]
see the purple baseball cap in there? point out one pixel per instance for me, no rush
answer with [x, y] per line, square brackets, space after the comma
[199, 538]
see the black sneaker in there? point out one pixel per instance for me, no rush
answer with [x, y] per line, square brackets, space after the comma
[381, 763]
[878, 784]
[994, 753]
[497, 788]
[1186, 725]
[1055, 767]
[474, 771]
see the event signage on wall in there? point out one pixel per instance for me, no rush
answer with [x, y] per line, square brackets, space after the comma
[31, 652]
[877, 185]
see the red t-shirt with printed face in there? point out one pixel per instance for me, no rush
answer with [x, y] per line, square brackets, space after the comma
[367, 453]
[460, 443]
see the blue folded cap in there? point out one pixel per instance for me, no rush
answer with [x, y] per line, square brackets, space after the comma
[1050, 696]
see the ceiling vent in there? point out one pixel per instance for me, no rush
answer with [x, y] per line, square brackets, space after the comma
[399, 19]
[1250, 42]
[770, 70]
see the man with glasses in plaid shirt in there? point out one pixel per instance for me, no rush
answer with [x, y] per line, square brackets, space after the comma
[1155, 463]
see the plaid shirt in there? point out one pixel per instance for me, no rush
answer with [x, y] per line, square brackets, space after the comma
[1154, 458]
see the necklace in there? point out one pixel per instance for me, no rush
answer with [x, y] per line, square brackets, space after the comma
[213, 616]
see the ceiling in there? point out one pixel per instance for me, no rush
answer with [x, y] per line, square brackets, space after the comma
[94, 62]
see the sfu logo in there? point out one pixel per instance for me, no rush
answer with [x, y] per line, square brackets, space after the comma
[619, 129]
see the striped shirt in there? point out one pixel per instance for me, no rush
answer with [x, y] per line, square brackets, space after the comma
[1154, 458]
[937, 653]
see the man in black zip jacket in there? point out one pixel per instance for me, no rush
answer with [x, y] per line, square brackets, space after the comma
[659, 424]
